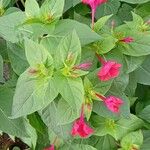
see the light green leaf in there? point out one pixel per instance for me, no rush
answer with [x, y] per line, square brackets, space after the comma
[32, 94]
[9, 26]
[71, 90]
[66, 26]
[132, 140]
[117, 129]
[47, 115]
[36, 54]
[31, 8]
[106, 44]
[69, 47]
[52, 8]
[101, 22]
[66, 113]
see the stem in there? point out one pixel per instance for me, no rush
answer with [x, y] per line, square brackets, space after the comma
[100, 96]
[93, 16]
[82, 112]
[23, 3]
[100, 59]
[54, 142]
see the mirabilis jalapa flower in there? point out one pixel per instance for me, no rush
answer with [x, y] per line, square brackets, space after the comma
[112, 103]
[109, 69]
[80, 128]
[93, 4]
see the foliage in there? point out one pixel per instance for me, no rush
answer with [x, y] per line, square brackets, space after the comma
[53, 62]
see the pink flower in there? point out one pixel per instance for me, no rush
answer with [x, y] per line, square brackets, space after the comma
[94, 4]
[50, 148]
[80, 128]
[83, 66]
[127, 40]
[112, 103]
[109, 70]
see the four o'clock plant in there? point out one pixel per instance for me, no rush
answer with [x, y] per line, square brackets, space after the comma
[72, 82]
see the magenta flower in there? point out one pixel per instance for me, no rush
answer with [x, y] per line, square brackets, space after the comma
[127, 40]
[83, 66]
[109, 69]
[94, 4]
[80, 128]
[50, 148]
[112, 103]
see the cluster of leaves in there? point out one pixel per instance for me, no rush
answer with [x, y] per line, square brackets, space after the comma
[40, 94]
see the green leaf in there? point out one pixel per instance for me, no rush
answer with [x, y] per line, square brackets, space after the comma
[135, 1]
[15, 127]
[70, 3]
[71, 89]
[142, 74]
[47, 115]
[103, 143]
[32, 94]
[101, 22]
[31, 8]
[77, 147]
[36, 54]
[143, 10]
[9, 26]
[52, 8]
[106, 44]
[146, 143]
[66, 113]
[137, 23]
[69, 46]
[1, 69]
[133, 63]
[117, 129]
[4, 3]
[66, 26]
[111, 7]
[17, 57]
[132, 140]
[145, 113]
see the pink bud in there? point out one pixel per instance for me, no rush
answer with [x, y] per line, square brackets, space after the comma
[127, 40]
[80, 128]
[83, 66]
